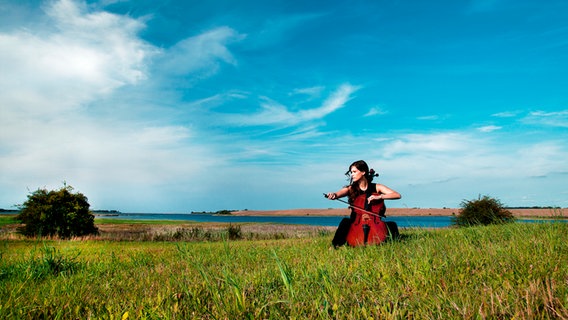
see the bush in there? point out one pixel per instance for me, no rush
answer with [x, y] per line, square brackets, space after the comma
[234, 232]
[483, 211]
[57, 212]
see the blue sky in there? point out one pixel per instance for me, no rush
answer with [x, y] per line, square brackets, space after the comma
[179, 106]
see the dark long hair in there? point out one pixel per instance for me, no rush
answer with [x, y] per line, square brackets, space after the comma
[354, 189]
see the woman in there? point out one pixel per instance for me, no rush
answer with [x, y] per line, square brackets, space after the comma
[360, 180]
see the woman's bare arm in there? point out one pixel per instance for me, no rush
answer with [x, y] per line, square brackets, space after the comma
[339, 194]
[387, 193]
[384, 193]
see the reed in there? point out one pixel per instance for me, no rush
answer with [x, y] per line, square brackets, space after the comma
[516, 270]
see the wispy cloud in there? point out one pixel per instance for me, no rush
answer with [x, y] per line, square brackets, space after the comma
[553, 119]
[375, 111]
[200, 53]
[429, 118]
[490, 128]
[428, 143]
[337, 100]
[274, 113]
[506, 114]
[313, 92]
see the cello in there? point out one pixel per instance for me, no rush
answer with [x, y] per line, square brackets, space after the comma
[366, 227]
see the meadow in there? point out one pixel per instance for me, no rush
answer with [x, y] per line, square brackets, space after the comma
[508, 271]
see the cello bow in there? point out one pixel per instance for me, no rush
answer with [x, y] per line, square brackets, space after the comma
[355, 207]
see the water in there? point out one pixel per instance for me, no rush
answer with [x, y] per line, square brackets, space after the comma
[401, 221]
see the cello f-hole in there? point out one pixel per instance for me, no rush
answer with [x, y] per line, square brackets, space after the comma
[366, 230]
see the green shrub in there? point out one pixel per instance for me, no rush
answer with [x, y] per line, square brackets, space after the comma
[57, 212]
[235, 232]
[483, 211]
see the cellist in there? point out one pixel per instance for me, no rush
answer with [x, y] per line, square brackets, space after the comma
[361, 178]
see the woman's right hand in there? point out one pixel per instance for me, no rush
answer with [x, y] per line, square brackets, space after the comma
[332, 196]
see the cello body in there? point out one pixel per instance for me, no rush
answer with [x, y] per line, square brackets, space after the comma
[367, 228]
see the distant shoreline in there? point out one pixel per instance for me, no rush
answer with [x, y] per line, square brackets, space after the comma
[517, 212]
[561, 213]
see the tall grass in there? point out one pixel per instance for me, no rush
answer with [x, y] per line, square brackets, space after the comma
[517, 270]
[6, 219]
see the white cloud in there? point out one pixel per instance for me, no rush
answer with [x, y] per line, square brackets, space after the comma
[542, 158]
[429, 118]
[200, 53]
[311, 91]
[553, 119]
[336, 101]
[84, 55]
[428, 143]
[445, 156]
[127, 165]
[374, 112]
[274, 113]
[506, 114]
[489, 128]
[59, 88]
[443, 168]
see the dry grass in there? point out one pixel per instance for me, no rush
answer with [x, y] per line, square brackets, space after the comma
[249, 230]
[175, 230]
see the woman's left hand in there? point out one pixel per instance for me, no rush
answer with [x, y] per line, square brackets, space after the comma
[375, 197]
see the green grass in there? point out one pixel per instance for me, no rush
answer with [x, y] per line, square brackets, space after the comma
[517, 270]
[6, 219]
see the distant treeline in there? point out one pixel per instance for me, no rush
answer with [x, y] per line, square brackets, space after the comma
[106, 211]
[9, 210]
[216, 212]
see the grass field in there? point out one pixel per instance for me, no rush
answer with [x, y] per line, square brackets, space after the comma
[510, 271]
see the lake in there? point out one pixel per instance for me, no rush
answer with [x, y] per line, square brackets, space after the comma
[401, 221]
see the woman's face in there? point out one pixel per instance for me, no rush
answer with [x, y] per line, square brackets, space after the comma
[356, 175]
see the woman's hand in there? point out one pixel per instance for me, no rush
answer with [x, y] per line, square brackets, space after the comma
[374, 197]
[339, 194]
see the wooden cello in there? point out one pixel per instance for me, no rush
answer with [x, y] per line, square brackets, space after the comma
[366, 225]
[367, 228]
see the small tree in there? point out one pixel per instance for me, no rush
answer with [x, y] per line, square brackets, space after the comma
[57, 212]
[483, 211]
